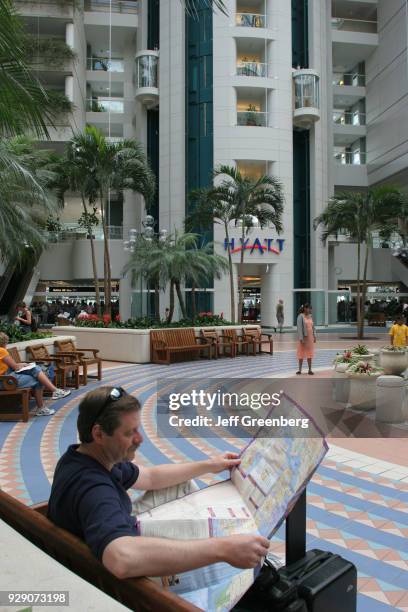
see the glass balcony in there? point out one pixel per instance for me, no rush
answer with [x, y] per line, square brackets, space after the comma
[350, 158]
[105, 64]
[354, 25]
[104, 105]
[256, 69]
[252, 118]
[349, 79]
[349, 118]
[147, 71]
[250, 20]
[116, 6]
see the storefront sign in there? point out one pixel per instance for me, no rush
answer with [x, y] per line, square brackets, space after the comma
[263, 245]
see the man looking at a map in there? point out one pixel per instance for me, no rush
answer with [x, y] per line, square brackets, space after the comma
[89, 498]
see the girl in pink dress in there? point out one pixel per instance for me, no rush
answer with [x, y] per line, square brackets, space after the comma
[306, 337]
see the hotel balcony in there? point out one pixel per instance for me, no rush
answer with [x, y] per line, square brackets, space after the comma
[250, 20]
[353, 40]
[348, 89]
[123, 14]
[105, 64]
[349, 168]
[347, 127]
[252, 118]
[306, 98]
[147, 78]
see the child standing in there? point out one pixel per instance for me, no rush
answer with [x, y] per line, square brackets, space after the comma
[399, 332]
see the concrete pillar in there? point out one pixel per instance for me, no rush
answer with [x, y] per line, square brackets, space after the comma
[69, 88]
[69, 35]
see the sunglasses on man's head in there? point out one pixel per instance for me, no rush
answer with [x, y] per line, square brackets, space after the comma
[114, 395]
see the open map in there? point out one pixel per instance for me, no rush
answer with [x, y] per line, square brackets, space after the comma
[272, 474]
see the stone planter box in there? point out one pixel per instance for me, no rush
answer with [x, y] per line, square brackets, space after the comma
[366, 358]
[362, 391]
[393, 362]
[130, 345]
[48, 342]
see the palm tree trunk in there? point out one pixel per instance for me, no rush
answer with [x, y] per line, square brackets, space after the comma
[107, 278]
[94, 266]
[193, 302]
[231, 275]
[241, 273]
[181, 299]
[358, 288]
[171, 307]
[363, 292]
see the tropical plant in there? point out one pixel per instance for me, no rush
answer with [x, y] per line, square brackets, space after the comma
[360, 349]
[359, 215]
[49, 51]
[394, 349]
[346, 357]
[172, 260]
[23, 101]
[58, 103]
[192, 6]
[26, 201]
[362, 367]
[110, 167]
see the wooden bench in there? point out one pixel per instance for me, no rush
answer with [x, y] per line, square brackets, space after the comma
[140, 594]
[64, 364]
[256, 339]
[14, 402]
[67, 347]
[179, 343]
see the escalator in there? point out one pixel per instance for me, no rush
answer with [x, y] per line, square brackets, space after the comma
[14, 284]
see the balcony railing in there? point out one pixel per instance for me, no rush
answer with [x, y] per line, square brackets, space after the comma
[105, 64]
[72, 231]
[349, 80]
[104, 105]
[252, 118]
[349, 118]
[116, 6]
[350, 158]
[256, 69]
[250, 20]
[354, 25]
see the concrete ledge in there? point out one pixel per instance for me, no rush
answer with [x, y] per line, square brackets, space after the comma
[130, 345]
[48, 342]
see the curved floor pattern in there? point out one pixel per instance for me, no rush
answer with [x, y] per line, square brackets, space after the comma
[352, 512]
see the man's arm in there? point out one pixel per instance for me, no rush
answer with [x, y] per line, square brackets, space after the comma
[128, 557]
[160, 476]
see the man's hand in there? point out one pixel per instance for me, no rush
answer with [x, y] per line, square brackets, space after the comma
[223, 462]
[244, 551]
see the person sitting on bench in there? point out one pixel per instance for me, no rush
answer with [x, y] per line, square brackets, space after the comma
[89, 498]
[33, 378]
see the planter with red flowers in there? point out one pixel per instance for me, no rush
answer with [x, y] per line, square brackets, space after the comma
[363, 378]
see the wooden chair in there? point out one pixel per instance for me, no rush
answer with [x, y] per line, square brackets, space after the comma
[219, 347]
[236, 344]
[14, 402]
[16, 356]
[256, 339]
[179, 343]
[64, 364]
[139, 594]
[67, 347]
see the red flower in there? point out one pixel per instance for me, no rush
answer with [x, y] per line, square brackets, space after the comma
[117, 318]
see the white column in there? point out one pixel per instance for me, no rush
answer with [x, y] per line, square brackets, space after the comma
[69, 88]
[125, 297]
[274, 286]
[69, 35]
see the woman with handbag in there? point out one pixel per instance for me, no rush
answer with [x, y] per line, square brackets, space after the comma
[306, 337]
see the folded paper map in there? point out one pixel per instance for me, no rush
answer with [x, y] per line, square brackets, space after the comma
[257, 498]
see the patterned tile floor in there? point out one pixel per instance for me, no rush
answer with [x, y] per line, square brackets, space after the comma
[357, 504]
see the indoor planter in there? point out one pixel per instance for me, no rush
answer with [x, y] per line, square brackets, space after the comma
[363, 379]
[393, 359]
[361, 351]
[342, 361]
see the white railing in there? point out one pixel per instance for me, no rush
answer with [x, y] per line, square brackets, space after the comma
[349, 118]
[257, 69]
[250, 20]
[350, 158]
[349, 79]
[354, 25]
[105, 64]
[252, 118]
[104, 105]
[72, 231]
[116, 6]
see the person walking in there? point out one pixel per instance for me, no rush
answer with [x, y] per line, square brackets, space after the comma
[306, 337]
[280, 316]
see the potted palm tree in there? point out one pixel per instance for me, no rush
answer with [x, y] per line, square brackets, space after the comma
[363, 379]
[393, 359]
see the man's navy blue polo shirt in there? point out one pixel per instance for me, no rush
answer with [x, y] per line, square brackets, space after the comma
[91, 502]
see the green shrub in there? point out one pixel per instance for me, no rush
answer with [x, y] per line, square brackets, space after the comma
[49, 51]
[202, 320]
[16, 335]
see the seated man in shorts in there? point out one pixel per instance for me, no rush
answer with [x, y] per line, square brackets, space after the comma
[89, 498]
[34, 378]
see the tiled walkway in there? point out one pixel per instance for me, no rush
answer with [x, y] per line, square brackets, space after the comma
[357, 503]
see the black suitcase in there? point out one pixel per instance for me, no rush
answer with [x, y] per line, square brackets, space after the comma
[319, 582]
